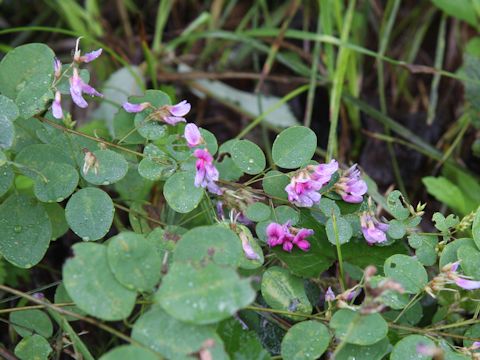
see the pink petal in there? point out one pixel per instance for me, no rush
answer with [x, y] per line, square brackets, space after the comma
[329, 295]
[57, 106]
[303, 245]
[181, 109]
[87, 89]
[91, 56]
[76, 92]
[467, 284]
[174, 120]
[135, 108]
[287, 246]
[192, 135]
[248, 250]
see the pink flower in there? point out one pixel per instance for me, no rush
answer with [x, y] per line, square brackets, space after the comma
[78, 87]
[192, 135]
[88, 57]
[467, 284]
[247, 248]
[351, 187]
[57, 106]
[373, 230]
[57, 65]
[207, 174]
[329, 295]
[177, 112]
[288, 236]
[135, 108]
[303, 191]
[323, 172]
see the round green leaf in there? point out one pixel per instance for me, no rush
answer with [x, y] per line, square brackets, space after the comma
[26, 75]
[406, 349]
[396, 229]
[343, 230]
[25, 231]
[61, 296]
[294, 147]
[203, 294]
[376, 351]
[7, 135]
[33, 347]
[129, 352]
[168, 336]
[156, 167]
[29, 322]
[149, 128]
[470, 261]
[355, 328]
[284, 291]
[285, 213]
[56, 214]
[89, 212]
[133, 186]
[210, 140]
[8, 109]
[258, 211]
[395, 205]
[248, 157]
[93, 287]
[112, 167]
[6, 178]
[305, 340]
[274, 183]
[449, 253]
[407, 271]
[214, 242]
[59, 182]
[134, 261]
[180, 192]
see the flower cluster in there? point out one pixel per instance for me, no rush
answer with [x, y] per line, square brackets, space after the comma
[304, 186]
[350, 186]
[449, 275]
[288, 236]
[207, 173]
[374, 231]
[169, 114]
[77, 86]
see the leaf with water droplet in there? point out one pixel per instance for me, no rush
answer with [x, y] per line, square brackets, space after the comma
[248, 157]
[57, 183]
[112, 167]
[25, 230]
[305, 340]
[181, 193]
[294, 147]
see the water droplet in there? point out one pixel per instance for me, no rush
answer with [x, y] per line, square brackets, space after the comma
[85, 238]
[17, 228]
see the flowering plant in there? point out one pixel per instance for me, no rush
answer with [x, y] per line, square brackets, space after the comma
[205, 252]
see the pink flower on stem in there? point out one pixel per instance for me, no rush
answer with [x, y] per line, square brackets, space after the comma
[373, 230]
[135, 108]
[193, 136]
[322, 173]
[177, 112]
[288, 236]
[78, 87]
[206, 173]
[88, 57]
[57, 106]
[351, 187]
[303, 191]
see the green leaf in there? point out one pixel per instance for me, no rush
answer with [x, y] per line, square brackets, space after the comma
[33, 347]
[445, 224]
[476, 228]
[258, 211]
[210, 140]
[355, 328]
[8, 109]
[446, 192]
[61, 297]
[274, 183]
[248, 157]
[7, 135]
[294, 147]
[305, 340]
[284, 213]
[26, 76]
[60, 181]
[284, 291]
[449, 253]
[133, 186]
[407, 271]
[6, 178]
[215, 242]
[134, 261]
[469, 261]
[29, 322]
[460, 9]
[112, 167]
[472, 332]
[129, 352]
[149, 128]
[168, 336]
[395, 205]
[89, 212]
[396, 229]
[25, 231]
[56, 214]
[228, 170]
[425, 246]
[157, 165]
[181, 193]
[376, 351]
[406, 349]
[203, 294]
[343, 229]
[92, 285]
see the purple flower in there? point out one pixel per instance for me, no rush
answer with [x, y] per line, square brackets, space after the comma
[475, 345]
[78, 87]
[329, 295]
[467, 284]
[247, 248]
[323, 172]
[57, 106]
[373, 230]
[57, 65]
[303, 191]
[88, 57]
[351, 187]
[288, 236]
[135, 108]
[206, 173]
[192, 135]
[177, 112]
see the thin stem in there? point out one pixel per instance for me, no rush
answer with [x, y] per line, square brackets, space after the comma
[339, 252]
